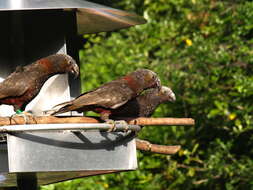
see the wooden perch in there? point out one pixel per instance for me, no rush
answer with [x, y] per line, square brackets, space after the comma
[17, 120]
[154, 148]
[159, 121]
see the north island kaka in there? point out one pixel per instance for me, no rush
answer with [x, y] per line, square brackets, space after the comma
[145, 104]
[113, 94]
[21, 86]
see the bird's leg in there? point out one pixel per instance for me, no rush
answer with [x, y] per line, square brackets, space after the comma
[105, 116]
[19, 111]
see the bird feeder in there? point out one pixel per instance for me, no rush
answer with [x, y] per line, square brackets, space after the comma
[32, 29]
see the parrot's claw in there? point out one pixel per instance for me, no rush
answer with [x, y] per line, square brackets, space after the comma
[111, 122]
[26, 116]
[114, 123]
[123, 123]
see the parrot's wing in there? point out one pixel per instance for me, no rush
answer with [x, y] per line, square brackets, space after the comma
[109, 96]
[14, 85]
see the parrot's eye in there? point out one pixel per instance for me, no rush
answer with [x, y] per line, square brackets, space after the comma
[153, 77]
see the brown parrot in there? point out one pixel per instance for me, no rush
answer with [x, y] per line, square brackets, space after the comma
[21, 86]
[145, 104]
[113, 94]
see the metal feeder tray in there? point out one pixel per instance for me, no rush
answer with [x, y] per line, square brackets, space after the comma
[65, 152]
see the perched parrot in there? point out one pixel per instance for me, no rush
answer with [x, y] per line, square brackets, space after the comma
[112, 95]
[21, 86]
[145, 104]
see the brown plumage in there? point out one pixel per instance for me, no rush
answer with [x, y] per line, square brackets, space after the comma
[21, 86]
[145, 104]
[112, 94]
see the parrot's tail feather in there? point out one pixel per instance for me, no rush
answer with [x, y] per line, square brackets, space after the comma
[48, 112]
[61, 110]
[53, 112]
[57, 109]
[62, 104]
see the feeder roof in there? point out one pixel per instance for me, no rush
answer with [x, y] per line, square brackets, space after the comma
[91, 17]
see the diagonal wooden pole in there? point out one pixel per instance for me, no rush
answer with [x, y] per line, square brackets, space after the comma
[155, 148]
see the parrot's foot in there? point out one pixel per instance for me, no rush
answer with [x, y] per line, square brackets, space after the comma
[123, 123]
[111, 122]
[26, 116]
[114, 123]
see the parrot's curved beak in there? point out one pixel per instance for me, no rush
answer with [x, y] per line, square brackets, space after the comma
[172, 97]
[167, 94]
[74, 70]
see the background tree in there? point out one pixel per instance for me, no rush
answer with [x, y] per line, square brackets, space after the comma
[203, 51]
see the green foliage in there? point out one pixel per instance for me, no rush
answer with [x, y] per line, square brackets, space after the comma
[203, 50]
